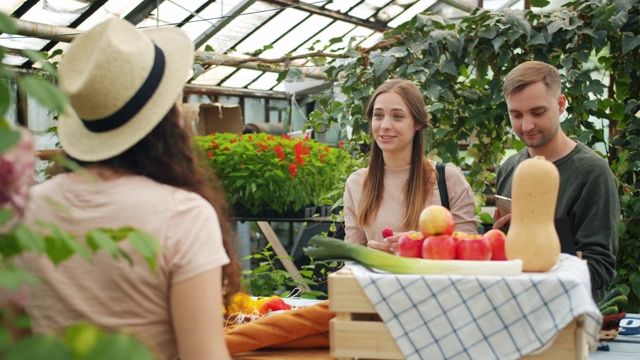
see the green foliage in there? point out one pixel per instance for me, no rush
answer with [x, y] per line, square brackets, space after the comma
[79, 342]
[460, 66]
[267, 279]
[263, 171]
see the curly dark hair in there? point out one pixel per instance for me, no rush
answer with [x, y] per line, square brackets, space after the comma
[167, 155]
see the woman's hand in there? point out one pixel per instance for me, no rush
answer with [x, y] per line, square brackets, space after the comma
[388, 244]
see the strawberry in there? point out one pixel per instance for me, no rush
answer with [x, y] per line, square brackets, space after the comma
[386, 232]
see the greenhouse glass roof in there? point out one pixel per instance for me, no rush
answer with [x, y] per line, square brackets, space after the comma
[233, 29]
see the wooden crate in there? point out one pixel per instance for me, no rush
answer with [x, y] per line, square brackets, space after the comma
[358, 332]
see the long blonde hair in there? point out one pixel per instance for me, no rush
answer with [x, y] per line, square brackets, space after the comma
[422, 176]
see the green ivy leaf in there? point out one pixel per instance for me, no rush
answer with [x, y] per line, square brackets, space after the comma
[98, 239]
[41, 58]
[13, 277]
[629, 43]
[486, 218]
[7, 25]
[8, 139]
[28, 240]
[539, 3]
[118, 346]
[81, 338]
[59, 245]
[45, 92]
[381, 63]
[282, 75]
[39, 347]
[5, 97]
[147, 245]
[5, 216]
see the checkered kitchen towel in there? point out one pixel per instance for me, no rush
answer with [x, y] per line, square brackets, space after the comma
[481, 317]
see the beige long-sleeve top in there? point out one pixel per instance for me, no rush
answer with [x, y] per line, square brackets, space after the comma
[392, 209]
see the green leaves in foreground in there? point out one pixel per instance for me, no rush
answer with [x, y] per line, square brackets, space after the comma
[79, 342]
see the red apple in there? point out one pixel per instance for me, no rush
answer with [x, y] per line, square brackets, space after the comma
[497, 239]
[410, 244]
[474, 247]
[439, 247]
[436, 220]
[458, 235]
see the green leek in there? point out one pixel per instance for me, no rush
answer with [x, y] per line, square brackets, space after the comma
[328, 248]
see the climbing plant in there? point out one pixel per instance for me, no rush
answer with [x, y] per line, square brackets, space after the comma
[460, 66]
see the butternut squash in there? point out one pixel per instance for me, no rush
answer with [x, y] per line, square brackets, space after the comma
[532, 234]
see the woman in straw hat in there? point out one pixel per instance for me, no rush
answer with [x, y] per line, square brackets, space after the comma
[139, 170]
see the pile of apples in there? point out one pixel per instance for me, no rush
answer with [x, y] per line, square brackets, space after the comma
[437, 240]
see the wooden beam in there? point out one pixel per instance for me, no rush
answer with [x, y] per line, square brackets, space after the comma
[285, 258]
[219, 90]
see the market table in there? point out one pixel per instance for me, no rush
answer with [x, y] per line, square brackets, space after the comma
[622, 347]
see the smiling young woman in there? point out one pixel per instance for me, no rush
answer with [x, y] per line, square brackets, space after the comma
[399, 181]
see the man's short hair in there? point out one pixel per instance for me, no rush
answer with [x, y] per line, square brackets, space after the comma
[531, 72]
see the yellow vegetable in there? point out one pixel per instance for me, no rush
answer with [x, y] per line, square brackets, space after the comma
[532, 234]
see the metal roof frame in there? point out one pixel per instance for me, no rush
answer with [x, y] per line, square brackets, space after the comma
[232, 24]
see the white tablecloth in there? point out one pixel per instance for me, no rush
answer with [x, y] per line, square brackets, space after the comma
[481, 317]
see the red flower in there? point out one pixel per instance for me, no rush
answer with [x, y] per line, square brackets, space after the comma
[284, 136]
[232, 140]
[250, 138]
[214, 144]
[300, 160]
[297, 148]
[322, 157]
[271, 137]
[278, 150]
[209, 154]
[326, 149]
[241, 164]
[293, 169]
[307, 136]
[340, 144]
[227, 148]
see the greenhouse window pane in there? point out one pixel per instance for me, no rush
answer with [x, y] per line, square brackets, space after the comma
[19, 42]
[241, 78]
[265, 82]
[273, 29]
[50, 15]
[342, 5]
[297, 36]
[214, 75]
[112, 8]
[239, 27]
[408, 14]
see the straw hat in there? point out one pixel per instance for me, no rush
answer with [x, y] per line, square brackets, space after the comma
[121, 83]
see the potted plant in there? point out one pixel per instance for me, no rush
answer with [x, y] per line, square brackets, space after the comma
[272, 176]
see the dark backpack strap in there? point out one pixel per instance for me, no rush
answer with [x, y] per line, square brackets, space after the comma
[442, 185]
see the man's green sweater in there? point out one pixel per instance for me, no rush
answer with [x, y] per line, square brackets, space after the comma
[588, 199]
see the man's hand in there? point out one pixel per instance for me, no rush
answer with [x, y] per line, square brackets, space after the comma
[501, 221]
